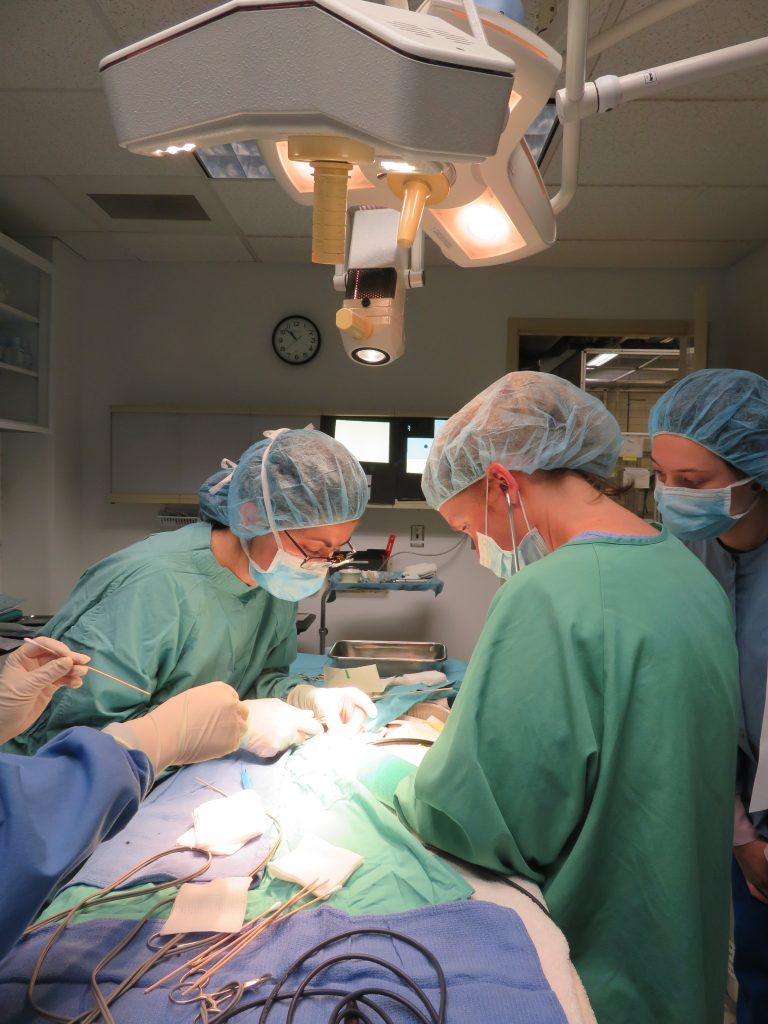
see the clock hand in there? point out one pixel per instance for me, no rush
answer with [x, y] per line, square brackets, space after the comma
[293, 335]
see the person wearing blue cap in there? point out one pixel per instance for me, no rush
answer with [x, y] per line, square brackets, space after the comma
[710, 450]
[217, 599]
[590, 744]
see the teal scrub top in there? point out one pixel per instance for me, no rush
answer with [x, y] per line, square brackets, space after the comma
[165, 616]
[592, 749]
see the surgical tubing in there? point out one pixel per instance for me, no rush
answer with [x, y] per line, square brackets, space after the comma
[329, 220]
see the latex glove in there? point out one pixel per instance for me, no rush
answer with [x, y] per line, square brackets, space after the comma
[197, 725]
[754, 866]
[743, 831]
[274, 725]
[30, 677]
[335, 706]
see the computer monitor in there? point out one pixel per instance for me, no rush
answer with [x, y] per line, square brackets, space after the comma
[368, 440]
[417, 449]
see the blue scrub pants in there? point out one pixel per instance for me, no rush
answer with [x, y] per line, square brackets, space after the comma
[750, 929]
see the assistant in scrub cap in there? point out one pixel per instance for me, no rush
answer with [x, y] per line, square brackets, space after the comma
[525, 421]
[312, 480]
[725, 411]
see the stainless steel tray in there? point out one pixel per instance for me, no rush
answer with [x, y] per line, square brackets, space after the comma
[391, 657]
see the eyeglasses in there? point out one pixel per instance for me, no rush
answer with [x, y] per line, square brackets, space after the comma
[341, 556]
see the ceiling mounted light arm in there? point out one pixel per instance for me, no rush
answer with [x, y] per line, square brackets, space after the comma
[609, 91]
[575, 80]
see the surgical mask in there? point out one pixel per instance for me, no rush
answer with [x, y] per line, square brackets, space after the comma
[505, 564]
[286, 577]
[698, 513]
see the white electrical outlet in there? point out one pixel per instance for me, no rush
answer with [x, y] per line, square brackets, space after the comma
[417, 536]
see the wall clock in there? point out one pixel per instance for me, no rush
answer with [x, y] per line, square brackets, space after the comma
[296, 340]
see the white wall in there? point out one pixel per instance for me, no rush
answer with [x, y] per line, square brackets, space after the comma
[741, 336]
[200, 336]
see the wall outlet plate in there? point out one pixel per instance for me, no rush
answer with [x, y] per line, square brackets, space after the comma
[417, 536]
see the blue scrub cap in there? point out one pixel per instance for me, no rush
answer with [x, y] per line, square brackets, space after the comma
[525, 421]
[311, 480]
[725, 411]
[214, 494]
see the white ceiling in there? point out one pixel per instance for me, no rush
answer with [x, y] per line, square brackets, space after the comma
[679, 181]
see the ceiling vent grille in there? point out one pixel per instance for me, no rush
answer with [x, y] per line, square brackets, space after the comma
[133, 206]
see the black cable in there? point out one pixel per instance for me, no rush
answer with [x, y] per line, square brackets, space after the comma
[233, 1011]
[344, 958]
[436, 1016]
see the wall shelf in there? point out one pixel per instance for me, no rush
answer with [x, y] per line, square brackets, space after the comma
[25, 284]
[7, 368]
[11, 313]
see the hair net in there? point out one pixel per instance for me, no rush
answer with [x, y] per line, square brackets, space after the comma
[525, 421]
[312, 480]
[725, 411]
[214, 494]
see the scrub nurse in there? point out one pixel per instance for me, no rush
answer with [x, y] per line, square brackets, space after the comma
[590, 744]
[710, 451]
[217, 600]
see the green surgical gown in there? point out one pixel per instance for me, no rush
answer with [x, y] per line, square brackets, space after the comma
[165, 616]
[592, 748]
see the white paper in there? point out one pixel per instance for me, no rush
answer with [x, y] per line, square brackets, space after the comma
[417, 680]
[225, 824]
[318, 862]
[364, 677]
[217, 906]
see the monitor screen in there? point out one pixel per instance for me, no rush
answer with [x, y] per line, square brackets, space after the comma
[368, 440]
[416, 452]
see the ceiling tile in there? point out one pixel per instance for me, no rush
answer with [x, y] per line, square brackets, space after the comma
[137, 19]
[641, 212]
[178, 248]
[52, 45]
[36, 205]
[96, 245]
[601, 253]
[668, 142]
[261, 207]
[58, 132]
[281, 250]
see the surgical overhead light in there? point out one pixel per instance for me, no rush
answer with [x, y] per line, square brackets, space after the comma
[359, 107]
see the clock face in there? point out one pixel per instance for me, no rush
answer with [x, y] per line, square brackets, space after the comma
[296, 340]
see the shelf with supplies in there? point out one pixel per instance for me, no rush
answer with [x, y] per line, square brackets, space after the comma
[25, 280]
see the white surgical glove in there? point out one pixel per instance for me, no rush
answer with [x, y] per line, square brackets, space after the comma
[334, 706]
[197, 725]
[274, 726]
[30, 677]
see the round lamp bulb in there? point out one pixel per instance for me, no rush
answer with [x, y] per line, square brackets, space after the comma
[484, 222]
[372, 356]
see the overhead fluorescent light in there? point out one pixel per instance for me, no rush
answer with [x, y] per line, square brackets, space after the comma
[233, 160]
[602, 358]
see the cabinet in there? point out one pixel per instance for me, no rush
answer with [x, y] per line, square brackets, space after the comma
[25, 280]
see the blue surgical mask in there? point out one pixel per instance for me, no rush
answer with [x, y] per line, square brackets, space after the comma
[286, 578]
[698, 513]
[505, 564]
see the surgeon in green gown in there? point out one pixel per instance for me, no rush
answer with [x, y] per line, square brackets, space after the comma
[215, 600]
[592, 745]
